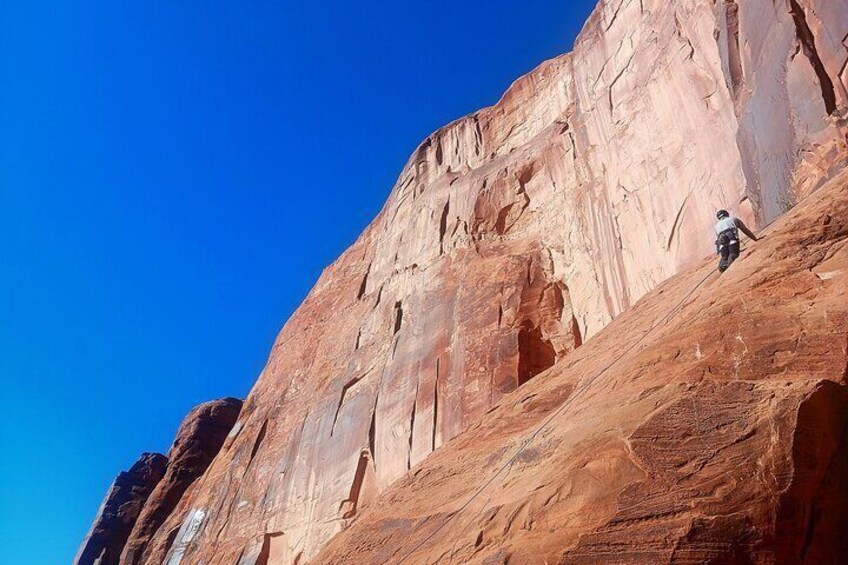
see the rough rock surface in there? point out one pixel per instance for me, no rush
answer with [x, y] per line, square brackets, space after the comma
[709, 424]
[198, 440]
[513, 236]
[119, 511]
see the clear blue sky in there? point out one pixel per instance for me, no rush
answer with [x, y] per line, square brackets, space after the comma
[173, 178]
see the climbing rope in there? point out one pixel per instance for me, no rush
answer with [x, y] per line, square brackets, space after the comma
[581, 389]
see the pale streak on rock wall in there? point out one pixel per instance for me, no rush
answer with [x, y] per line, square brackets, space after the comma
[511, 236]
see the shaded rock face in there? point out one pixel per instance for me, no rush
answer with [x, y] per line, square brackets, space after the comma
[709, 424]
[198, 441]
[119, 511]
[512, 237]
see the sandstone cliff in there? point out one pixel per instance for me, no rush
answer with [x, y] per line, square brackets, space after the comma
[708, 424]
[512, 237]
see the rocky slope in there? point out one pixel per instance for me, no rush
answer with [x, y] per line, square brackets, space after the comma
[709, 424]
[512, 237]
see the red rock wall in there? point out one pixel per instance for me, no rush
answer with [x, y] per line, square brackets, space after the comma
[511, 237]
[142, 499]
[198, 440]
[708, 424]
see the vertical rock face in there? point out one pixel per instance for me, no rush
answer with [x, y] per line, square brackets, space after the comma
[198, 441]
[709, 424]
[512, 236]
[119, 511]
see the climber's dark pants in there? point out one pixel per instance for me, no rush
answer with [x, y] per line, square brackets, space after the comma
[729, 254]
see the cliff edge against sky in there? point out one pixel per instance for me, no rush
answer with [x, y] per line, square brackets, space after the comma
[513, 237]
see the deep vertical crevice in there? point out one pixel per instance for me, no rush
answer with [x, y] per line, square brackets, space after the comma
[478, 137]
[436, 403]
[352, 501]
[535, 353]
[412, 423]
[262, 558]
[676, 225]
[398, 316]
[575, 332]
[346, 391]
[364, 285]
[423, 148]
[342, 396]
[257, 443]
[808, 45]
[443, 226]
[372, 434]
[614, 16]
[734, 54]
[809, 531]
[500, 223]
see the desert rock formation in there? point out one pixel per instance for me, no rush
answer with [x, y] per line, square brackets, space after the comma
[198, 441]
[708, 424]
[513, 236]
[140, 500]
[119, 511]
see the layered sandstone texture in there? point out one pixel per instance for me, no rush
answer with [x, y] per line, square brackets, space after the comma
[119, 511]
[513, 236]
[708, 424]
[143, 498]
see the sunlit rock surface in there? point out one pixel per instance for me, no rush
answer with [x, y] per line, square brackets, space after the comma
[708, 424]
[513, 236]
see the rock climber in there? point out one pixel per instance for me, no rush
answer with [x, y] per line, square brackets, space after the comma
[727, 238]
